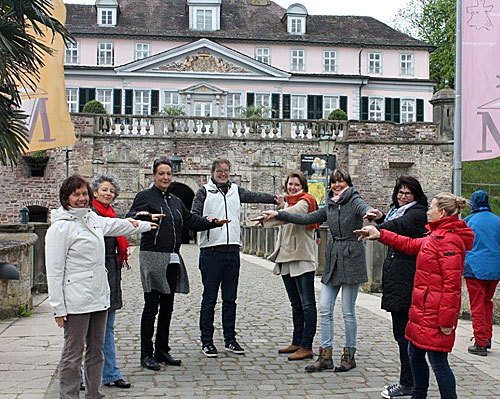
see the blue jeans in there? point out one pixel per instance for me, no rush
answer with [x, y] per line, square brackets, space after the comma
[110, 371]
[219, 269]
[300, 290]
[327, 304]
[442, 371]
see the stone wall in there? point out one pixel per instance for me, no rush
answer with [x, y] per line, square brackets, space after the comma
[374, 154]
[15, 248]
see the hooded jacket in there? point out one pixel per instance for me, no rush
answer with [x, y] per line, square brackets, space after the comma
[75, 258]
[483, 261]
[345, 255]
[438, 280]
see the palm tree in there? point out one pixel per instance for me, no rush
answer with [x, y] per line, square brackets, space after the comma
[21, 56]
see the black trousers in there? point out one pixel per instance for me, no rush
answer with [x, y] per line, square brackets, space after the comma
[165, 302]
[399, 322]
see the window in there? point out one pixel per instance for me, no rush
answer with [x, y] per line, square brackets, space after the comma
[171, 98]
[374, 63]
[330, 103]
[298, 60]
[264, 100]
[72, 99]
[141, 102]
[204, 19]
[406, 64]
[296, 25]
[233, 102]
[71, 54]
[329, 61]
[262, 54]
[106, 17]
[375, 109]
[141, 51]
[408, 111]
[105, 96]
[105, 54]
[298, 107]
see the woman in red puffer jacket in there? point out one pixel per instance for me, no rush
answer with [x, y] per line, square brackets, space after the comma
[435, 303]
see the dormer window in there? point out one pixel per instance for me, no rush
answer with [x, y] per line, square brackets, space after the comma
[296, 16]
[107, 11]
[204, 15]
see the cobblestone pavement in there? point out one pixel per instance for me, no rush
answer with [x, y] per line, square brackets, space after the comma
[263, 325]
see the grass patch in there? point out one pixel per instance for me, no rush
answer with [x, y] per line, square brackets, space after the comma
[477, 175]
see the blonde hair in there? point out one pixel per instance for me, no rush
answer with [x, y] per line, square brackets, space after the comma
[450, 203]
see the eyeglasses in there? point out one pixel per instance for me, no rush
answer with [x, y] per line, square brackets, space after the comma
[222, 172]
[405, 193]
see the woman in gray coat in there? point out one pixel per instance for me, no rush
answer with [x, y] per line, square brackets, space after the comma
[345, 265]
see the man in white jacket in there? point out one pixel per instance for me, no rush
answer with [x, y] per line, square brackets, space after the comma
[219, 252]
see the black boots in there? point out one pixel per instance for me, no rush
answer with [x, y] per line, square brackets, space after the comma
[149, 362]
[477, 350]
[166, 357]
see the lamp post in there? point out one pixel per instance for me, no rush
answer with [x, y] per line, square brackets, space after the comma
[176, 163]
[244, 184]
[327, 143]
[68, 150]
[97, 162]
[275, 167]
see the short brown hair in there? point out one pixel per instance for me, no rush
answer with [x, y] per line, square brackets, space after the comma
[220, 161]
[69, 186]
[341, 175]
[299, 175]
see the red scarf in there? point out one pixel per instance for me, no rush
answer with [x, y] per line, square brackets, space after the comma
[291, 200]
[122, 243]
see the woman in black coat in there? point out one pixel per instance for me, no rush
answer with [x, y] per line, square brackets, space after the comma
[407, 216]
[162, 269]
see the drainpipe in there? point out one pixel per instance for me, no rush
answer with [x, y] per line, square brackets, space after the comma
[362, 83]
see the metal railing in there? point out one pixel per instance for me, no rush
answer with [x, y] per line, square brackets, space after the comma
[159, 125]
[491, 189]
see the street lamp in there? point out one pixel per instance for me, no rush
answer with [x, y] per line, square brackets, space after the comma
[176, 163]
[275, 167]
[327, 144]
[97, 162]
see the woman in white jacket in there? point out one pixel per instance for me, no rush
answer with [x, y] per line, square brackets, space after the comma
[78, 284]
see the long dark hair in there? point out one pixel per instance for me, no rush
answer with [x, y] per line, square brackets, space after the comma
[415, 188]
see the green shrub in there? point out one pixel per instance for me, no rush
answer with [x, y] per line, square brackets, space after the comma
[94, 107]
[173, 110]
[337, 115]
[23, 311]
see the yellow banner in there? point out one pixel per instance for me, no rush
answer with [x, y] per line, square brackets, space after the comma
[49, 122]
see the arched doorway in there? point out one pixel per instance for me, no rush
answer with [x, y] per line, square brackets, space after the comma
[186, 195]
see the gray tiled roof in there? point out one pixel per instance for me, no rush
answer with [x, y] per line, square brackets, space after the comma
[168, 19]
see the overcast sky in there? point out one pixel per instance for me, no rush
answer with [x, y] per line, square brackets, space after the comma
[383, 10]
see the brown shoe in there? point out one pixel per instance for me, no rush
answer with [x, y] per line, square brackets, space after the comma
[324, 361]
[289, 349]
[301, 354]
[347, 361]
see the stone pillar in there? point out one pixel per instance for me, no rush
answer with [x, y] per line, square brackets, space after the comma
[321, 250]
[16, 248]
[245, 237]
[375, 254]
[443, 102]
[253, 240]
[261, 241]
[270, 241]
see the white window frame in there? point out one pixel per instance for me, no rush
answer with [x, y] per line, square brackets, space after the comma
[72, 53]
[233, 103]
[171, 98]
[405, 115]
[375, 63]
[373, 114]
[142, 107]
[142, 50]
[263, 54]
[296, 25]
[105, 96]
[204, 26]
[110, 16]
[109, 52]
[72, 101]
[294, 56]
[331, 65]
[406, 64]
[334, 104]
[265, 100]
[298, 106]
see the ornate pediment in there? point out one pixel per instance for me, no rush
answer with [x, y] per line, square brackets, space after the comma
[203, 61]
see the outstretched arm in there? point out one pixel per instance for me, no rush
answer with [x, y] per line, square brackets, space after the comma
[318, 216]
[255, 197]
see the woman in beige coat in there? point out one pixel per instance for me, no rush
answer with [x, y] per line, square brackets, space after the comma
[295, 257]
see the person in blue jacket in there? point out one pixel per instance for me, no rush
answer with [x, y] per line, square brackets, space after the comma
[482, 270]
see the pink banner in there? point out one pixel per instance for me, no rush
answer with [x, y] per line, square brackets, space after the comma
[480, 79]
